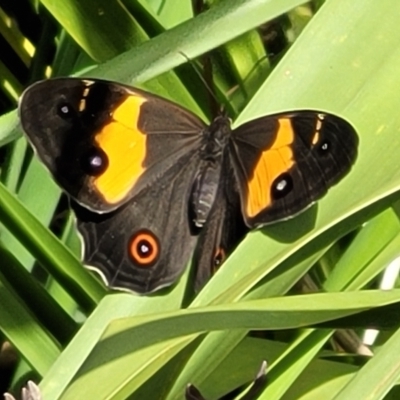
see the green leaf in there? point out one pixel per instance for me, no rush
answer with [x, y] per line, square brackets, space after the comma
[46, 248]
[136, 340]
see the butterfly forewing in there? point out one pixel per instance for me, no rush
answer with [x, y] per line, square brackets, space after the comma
[104, 142]
[285, 162]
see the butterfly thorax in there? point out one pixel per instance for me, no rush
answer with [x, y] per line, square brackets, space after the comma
[206, 182]
[215, 138]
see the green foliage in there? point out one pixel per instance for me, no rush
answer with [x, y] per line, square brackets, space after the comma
[337, 56]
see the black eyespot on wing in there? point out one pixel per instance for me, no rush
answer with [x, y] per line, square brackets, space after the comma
[324, 147]
[65, 110]
[94, 162]
[281, 186]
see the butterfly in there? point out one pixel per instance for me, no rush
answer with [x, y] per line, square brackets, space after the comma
[151, 183]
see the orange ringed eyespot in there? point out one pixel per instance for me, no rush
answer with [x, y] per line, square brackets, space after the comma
[219, 257]
[144, 248]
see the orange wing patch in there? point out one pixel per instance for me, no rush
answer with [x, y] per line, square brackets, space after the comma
[273, 162]
[125, 146]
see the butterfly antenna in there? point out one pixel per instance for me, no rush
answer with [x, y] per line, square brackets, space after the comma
[207, 78]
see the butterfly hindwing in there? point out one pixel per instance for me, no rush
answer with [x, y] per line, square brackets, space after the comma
[146, 243]
[223, 230]
[285, 162]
